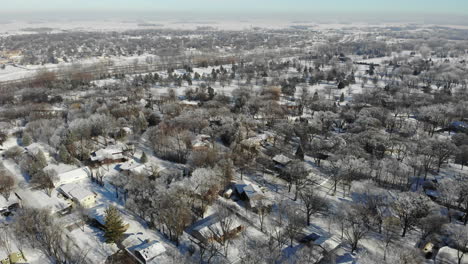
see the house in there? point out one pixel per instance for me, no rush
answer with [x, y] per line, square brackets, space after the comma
[34, 149]
[72, 220]
[448, 255]
[40, 200]
[189, 104]
[78, 194]
[201, 142]
[131, 166]
[98, 214]
[289, 105]
[143, 250]
[73, 176]
[110, 154]
[14, 258]
[281, 161]
[249, 194]
[428, 250]
[317, 253]
[459, 126]
[5, 205]
[254, 143]
[207, 229]
[328, 243]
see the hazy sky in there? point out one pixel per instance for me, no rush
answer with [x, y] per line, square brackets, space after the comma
[457, 7]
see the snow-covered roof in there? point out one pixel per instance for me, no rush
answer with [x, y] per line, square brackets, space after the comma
[75, 191]
[39, 199]
[149, 251]
[205, 226]
[74, 175]
[11, 200]
[448, 255]
[201, 141]
[206, 222]
[249, 190]
[98, 213]
[258, 139]
[432, 193]
[281, 159]
[34, 148]
[187, 102]
[132, 166]
[113, 152]
[328, 243]
[59, 168]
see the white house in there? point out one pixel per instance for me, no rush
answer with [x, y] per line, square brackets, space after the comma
[39, 199]
[208, 229]
[144, 250]
[108, 155]
[72, 176]
[78, 194]
[281, 160]
[132, 166]
[448, 255]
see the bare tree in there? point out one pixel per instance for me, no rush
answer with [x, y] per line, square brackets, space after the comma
[222, 232]
[390, 232]
[448, 195]
[263, 209]
[294, 225]
[313, 202]
[410, 207]
[355, 227]
[460, 239]
[7, 182]
[40, 230]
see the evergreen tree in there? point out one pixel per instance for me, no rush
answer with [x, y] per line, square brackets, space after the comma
[26, 139]
[316, 97]
[299, 153]
[143, 158]
[41, 159]
[341, 85]
[211, 93]
[342, 97]
[113, 227]
[63, 155]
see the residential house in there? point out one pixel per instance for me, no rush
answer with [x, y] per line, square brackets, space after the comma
[459, 126]
[143, 251]
[248, 193]
[201, 142]
[428, 250]
[322, 246]
[73, 176]
[254, 143]
[109, 155]
[78, 195]
[281, 161]
[448, 255]
[131, 167]
[208, 228]
[40, 200]
[34, 149]
[13, 258]
[189, 104]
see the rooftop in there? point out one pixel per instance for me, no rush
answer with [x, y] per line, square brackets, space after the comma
[113, 152]
[74, 175]
[75, 191]
[132, 166]
[281, 159]
[150, 250]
